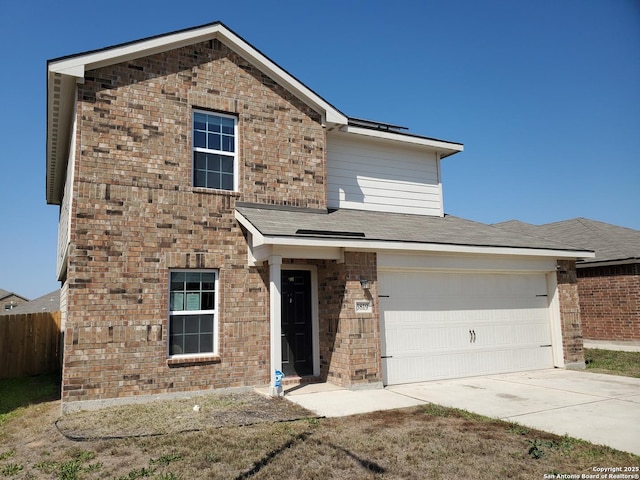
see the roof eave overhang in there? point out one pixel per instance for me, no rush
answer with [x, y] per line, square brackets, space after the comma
[608, 263]
[258, 241]
[443, 147]
[67, 71]
[61, 91]
[77, 65]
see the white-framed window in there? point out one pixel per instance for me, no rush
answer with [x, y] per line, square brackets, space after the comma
[214, 151]
[193, 312]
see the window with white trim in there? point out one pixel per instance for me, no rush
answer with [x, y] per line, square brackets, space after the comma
[214, 150]
[193, 312]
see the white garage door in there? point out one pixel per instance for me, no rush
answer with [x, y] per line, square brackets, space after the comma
[447, 325]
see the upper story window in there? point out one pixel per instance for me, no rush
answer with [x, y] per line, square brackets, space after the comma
[214, 151]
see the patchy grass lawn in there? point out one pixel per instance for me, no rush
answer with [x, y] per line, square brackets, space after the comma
[613, 362]
[252, 437]
[20, 392]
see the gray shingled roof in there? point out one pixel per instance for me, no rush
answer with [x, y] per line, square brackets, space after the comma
[46, 303]
[5, 293]
[391, 227]
[610, 242]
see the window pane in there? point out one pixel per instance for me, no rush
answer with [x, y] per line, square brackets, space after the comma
[208, 281]
[177, 281]
[200, 178]
[208, 301]
[200, 161]
[215, 123]
[199, 139]
[191, 324]
[191, 344]
[177, 301]
[199, 121]
[206, 323]
[214, 163]
[193, 281]
[176, 345]
[213, 141]
[226, 164]
[227, 144]
[213, 180]
[192, 301]
[206, 343]
[227, 125]
[177, 324]
[227, 182]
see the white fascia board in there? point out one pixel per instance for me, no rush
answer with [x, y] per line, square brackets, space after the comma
[439, 145]
[608, 263]
[245, 50]
[378, 245]
[77, 66]
[256, 237]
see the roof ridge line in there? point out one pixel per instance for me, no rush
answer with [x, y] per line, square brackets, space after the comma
[591, 225]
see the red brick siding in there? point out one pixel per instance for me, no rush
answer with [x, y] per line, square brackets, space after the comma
[570, 313]
[610, 302]
[136, 216]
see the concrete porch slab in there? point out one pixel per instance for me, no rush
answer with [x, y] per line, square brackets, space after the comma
[329, 400]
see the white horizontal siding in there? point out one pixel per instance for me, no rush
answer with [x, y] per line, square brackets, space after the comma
[367, 175]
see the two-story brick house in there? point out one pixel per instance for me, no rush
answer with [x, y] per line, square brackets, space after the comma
[220, 221]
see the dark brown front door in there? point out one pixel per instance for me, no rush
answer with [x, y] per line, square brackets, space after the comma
[297, 350]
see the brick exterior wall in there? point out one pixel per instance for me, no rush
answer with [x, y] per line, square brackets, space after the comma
[610, 302]
[136, 216]
[570, 314]
[349, 341]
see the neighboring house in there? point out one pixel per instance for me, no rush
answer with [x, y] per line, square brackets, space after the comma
[609, 283]
[46, 303]
[10, 300]
[220, 221]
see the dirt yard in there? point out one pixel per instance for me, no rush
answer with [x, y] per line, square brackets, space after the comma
[247, 436]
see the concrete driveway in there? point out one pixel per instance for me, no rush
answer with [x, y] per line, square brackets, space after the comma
[603, 409]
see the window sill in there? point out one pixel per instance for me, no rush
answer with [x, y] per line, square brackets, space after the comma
[195, 360]
[214, 191]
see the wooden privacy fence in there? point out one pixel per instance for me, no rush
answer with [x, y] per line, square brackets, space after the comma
[29, 344]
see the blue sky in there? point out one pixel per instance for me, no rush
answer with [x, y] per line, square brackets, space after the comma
[545, 96]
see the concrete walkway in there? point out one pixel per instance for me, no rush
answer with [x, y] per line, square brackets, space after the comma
[603, 409]
[621, 346]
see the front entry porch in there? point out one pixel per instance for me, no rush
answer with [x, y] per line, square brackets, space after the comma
[318, 334]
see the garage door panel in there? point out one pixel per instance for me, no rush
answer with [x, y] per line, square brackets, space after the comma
[443, 325]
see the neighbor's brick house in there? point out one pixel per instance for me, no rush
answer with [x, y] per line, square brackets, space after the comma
[9, 301]
[609, 283]
[213, 228]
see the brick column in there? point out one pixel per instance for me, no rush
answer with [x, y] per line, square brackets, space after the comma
[570, 314]
[350, 340]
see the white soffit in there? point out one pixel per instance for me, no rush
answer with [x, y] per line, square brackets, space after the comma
[442, 146]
